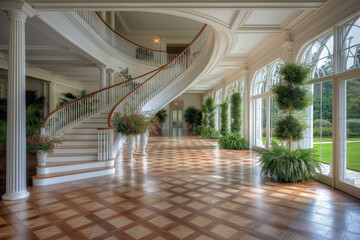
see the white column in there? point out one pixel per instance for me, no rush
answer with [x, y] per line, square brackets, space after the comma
[111, 83]
[102, 76]
[16, 116]
[52, 96]
[112, 20]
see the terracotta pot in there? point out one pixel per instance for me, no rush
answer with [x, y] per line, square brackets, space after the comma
[190, 126]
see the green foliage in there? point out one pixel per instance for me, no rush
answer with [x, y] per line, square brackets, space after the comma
[130, 124]
[288, 127]
[210, 109]
[69, 97]
[353, 127]
[323, 101]
[205, 117]
[287, 97]
[40, 143]
[3, 105]
[236, 120]
[33, 121]
[210, 133]
[353, 98]
[124, 73]
[161, 115]
[233, 141]
[322, 131]
[289, 166]
[191, 115]
[224, 118]
[198, 129]
[322, 123]
[3, 132]
[198, 117]
[294, 74]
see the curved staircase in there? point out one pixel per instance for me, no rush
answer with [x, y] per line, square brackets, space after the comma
[88, 142]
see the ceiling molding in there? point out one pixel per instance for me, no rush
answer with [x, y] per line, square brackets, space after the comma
[239, 19]
[120, 5]
[259, 29]
[39, 47]
[54, 58]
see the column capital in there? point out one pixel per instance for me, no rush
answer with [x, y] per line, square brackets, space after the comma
[110, 70]
[102, 66]
[17, 9]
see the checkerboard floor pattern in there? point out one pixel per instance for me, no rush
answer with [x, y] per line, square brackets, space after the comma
[186, 188]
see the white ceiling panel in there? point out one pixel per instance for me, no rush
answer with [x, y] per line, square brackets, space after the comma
[267, 17]
[245, 42]
[223, 15]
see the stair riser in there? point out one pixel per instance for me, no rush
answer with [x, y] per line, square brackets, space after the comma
[77, 150]
[80, 137]
[61, 179]
[79, 143]
[86, 130]
[72, 158]
[97, 125]
[46, 170]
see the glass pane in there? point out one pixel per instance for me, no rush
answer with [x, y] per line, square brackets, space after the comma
[273, 116]
[351, 155]
[260, 122]
[174, 117]
[260, 82]
[351, 46]
[322, 125]
[179, 117]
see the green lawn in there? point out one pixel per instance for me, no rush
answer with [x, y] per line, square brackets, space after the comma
[353, 154]
[330, 140]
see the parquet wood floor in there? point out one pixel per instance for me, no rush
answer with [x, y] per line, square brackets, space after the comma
[186, 188]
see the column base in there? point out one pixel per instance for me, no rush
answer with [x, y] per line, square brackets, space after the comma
[15, 195]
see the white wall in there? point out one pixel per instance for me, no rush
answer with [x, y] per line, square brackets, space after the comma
[189, 99]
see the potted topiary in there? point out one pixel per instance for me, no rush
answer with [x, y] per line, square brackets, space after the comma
[41, 146]
[284, 163]
[161, 115]
[191, 116]
[130, 125]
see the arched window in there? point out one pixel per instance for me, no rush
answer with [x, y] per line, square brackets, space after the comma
[265, 111]
[319, 56]
[351, 45]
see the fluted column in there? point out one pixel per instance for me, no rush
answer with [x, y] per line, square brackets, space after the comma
[112, 20]
[102, 76]
[52, 96]
[16, 116]
[45, 94]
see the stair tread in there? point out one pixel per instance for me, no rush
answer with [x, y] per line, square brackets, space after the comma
[73, 172]
[75, 147]
[99, 118]
[94, 123]
[77, 140]
[58, 164]
[71, 154]
[80, 134]
[85, 128]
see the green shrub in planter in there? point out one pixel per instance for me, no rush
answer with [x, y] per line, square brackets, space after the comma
[198, 129]
[210, 133]
[287, 165]
[321, 123]
[236, 119]
[233, 141]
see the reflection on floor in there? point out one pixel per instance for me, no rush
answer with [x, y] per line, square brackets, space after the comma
[186, 188]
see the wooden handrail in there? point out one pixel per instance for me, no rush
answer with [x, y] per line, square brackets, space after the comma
[149, 49]
[76, 100]
[161, 68]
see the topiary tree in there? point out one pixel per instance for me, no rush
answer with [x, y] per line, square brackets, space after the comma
[205, 118]
[291, 97]
[211, 107]
[236, 120]
[224, 118]
[284, 163]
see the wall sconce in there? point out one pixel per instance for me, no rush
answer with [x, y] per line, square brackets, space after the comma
[157, 41]
[175, 103]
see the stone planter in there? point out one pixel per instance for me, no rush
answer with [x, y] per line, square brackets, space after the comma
[131, 146]
[144, 140]
[41, 157]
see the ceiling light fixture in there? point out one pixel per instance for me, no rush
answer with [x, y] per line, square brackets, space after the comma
[157, 41]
